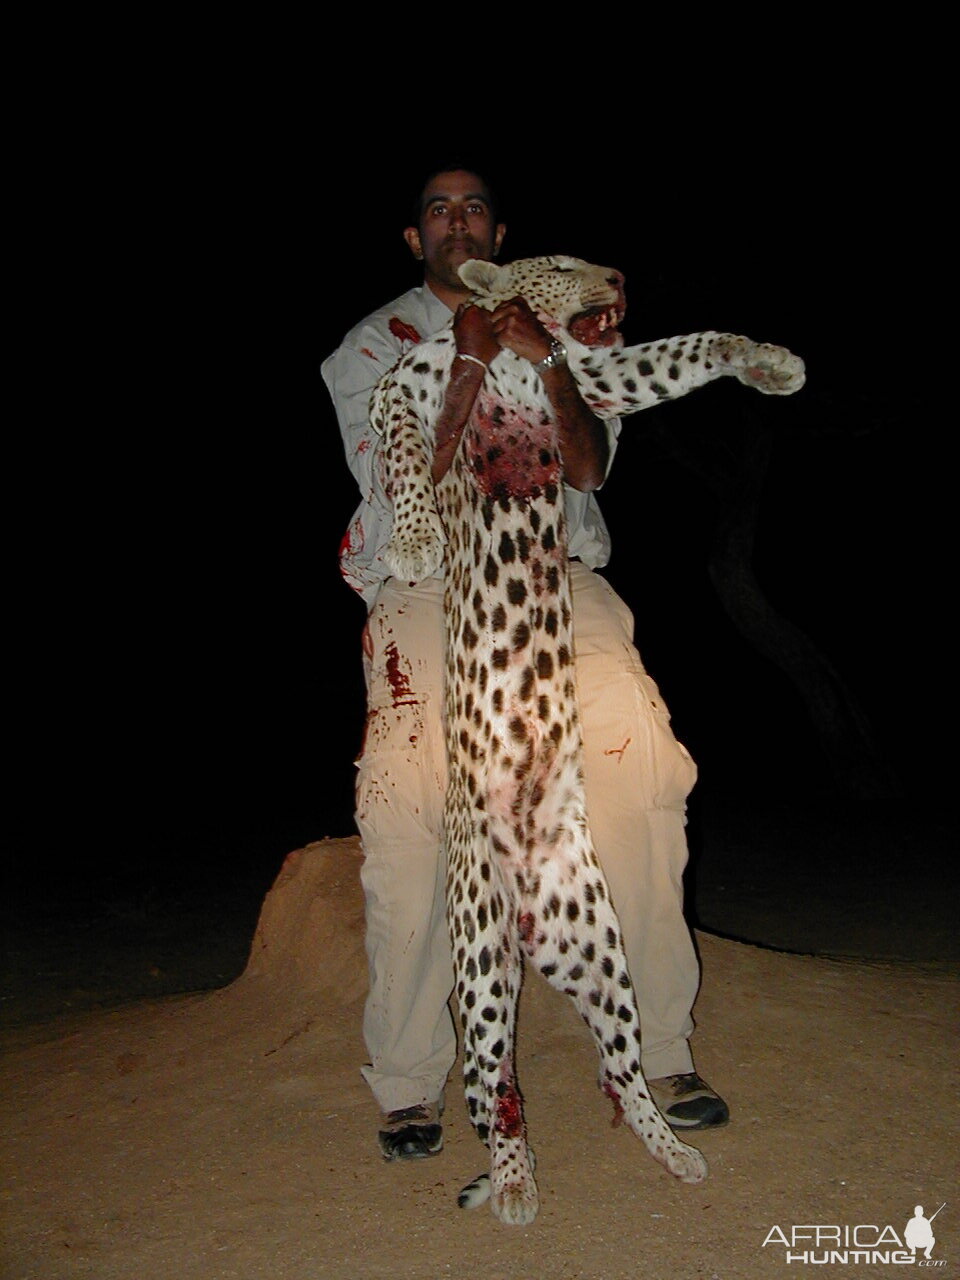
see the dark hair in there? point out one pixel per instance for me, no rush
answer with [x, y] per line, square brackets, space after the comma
[457, 164]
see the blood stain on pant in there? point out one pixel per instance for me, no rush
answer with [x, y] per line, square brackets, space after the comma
[398, 679]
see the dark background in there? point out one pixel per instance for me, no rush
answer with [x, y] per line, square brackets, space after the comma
[198, 702]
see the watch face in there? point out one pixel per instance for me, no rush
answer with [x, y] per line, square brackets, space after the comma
[557, 356]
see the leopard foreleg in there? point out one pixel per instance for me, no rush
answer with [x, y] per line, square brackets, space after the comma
[621, 381]
[415, 549]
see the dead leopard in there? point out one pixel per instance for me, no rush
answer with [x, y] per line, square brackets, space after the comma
[523, 878]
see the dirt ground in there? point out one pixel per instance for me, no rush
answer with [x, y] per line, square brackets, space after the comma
[229, 1134]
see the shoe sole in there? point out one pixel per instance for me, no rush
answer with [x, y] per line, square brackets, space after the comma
[413, 1139]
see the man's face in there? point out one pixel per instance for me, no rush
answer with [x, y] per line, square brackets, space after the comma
[456, 223]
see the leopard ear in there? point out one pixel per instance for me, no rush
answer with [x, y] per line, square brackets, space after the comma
[483, 277]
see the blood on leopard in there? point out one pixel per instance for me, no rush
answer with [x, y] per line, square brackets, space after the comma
[612, 1094]
[509, 1111]
[525, 924]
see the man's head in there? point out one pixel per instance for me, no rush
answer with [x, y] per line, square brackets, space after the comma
[456, 221]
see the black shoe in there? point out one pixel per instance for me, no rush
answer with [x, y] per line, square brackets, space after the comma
[412, 1133]
[687, 1102]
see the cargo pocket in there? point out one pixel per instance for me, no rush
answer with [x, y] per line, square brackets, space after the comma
[668, 772]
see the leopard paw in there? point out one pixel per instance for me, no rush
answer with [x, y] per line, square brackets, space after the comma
[517, 1203]
[514, 1198]
[686, 1163]
[774, 371]
[411, 559]
[477, 1192]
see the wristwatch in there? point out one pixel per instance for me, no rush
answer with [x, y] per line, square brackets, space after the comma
[556, 358]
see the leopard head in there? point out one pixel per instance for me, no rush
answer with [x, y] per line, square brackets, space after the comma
[585, 300]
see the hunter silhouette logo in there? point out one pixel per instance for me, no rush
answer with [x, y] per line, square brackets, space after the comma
[820, 1243]
[918, 1233]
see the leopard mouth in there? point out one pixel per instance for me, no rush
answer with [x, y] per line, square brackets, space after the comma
[597, 326]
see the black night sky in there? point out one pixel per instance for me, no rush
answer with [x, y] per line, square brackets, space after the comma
[205, 672]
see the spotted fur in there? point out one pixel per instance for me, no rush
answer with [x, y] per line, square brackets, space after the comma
[523, 879]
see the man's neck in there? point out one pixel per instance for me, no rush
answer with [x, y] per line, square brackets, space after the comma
[449, 296]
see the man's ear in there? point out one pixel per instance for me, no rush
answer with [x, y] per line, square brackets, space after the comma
[412, 237]
[483, 277]
[498, 237]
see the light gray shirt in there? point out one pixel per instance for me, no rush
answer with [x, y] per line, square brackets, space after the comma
[368, 351]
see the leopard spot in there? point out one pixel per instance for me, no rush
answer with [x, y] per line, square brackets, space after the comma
[516, 591]
[521, 636]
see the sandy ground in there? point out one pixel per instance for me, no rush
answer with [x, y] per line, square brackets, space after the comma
[229, 1134]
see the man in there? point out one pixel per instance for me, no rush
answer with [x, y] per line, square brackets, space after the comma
[637, 775]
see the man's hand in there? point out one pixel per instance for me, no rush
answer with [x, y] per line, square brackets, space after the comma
[481, 334]
[516, 326]
[474, 334]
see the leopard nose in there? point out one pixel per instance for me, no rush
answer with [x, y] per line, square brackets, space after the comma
[616, 279]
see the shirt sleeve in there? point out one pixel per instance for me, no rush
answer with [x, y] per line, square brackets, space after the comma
[351, 373]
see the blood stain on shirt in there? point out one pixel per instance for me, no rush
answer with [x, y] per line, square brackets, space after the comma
[405, 332]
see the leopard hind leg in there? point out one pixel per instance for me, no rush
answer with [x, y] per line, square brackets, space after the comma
[571, 933]
[488, 969]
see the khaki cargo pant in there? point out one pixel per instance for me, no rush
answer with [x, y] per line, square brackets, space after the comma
[637, 780]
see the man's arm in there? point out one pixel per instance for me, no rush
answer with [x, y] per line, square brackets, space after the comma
[476, 347]
[480, 334]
